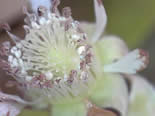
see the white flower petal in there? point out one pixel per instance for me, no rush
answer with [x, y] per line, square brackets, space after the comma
[17, 99]
[9, 109]
[130, 64]
[111, 92]
[11, 105]
[101, 19]
[142, 97]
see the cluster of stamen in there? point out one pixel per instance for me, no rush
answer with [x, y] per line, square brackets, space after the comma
[54, 54]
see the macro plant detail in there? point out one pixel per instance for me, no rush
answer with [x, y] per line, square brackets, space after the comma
[61, 66]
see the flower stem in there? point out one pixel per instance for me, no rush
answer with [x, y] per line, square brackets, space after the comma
[75, 109]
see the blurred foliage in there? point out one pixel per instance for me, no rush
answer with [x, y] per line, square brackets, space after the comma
[131, 19]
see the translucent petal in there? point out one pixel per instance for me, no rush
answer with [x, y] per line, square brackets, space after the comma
[131, 63]
[110, 91]
[101, 19]
[89, 28]
[142, 97]
[10, 105]
[109, 49]
[9, 109]
[9, 97]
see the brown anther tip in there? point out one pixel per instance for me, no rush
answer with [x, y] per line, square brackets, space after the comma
[5, 26]
[72, 76]
[96, 111]
[41, 10]
[57, 81]
[66, 12]
[144, 54]
[99, 2]
[55, 4]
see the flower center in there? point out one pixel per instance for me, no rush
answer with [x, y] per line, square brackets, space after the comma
[64, 59]
[54, 55]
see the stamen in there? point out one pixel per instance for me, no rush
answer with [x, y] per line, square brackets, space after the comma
[49, 75]
[81, 49]
[28, 78]
[66, 12]
[42, 10]
[4, 48]
[36, 4]
[13, 37]
[26, 28]
[54, 58]
[55, 4]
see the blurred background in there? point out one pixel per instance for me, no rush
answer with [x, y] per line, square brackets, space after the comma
[132, 20]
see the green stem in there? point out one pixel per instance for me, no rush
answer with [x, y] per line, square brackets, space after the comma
[72, 109]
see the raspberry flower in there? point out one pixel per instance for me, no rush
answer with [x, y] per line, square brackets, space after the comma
[60, 65]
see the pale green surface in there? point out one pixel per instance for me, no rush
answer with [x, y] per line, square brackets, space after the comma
[107, 89]
[139, 104]
[63, 56]
[142, 98]
[109, 49]
[142, 105]
[77, 109]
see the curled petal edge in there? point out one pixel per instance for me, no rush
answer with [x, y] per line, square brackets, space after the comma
[131, 63]
[11, 105]
[101, 19]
